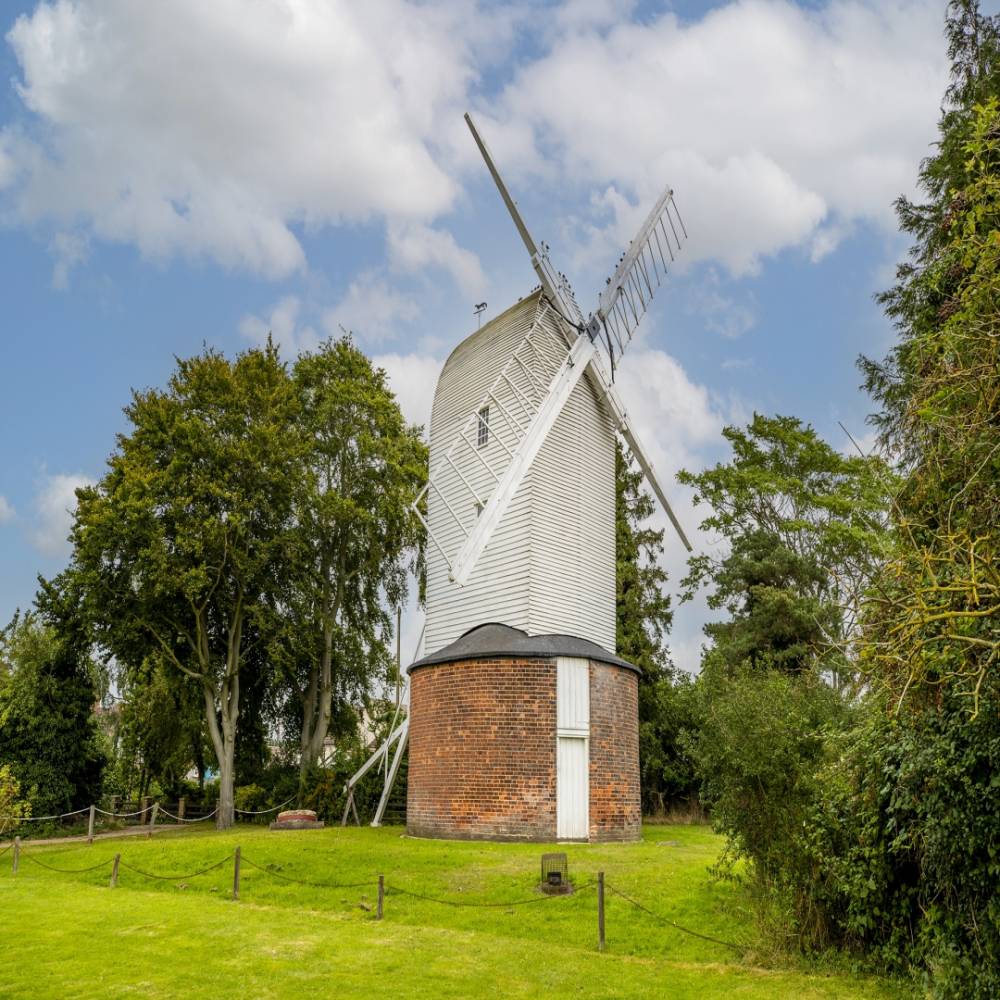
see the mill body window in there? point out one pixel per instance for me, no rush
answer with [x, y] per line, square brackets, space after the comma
[483, 428]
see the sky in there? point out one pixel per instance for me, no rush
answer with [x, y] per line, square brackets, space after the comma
[189, 174]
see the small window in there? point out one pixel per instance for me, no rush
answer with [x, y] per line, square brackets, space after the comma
[483, 430]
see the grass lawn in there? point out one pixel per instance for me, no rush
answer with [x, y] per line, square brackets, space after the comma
[68, 935]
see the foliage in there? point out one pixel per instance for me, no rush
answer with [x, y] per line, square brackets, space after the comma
[184, 541]
[761, 737]
[12, 806]
[920, 862]
[803, 529]
[643, 612]
[668, 715]
[162, 728]
[48, 737]
[642, 621]
[353, 541]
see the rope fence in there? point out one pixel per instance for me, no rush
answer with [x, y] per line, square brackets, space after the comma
[298, 881]
[673, 923]
[42, 819]
[147, 815]
[66, 871]
[382, 888]
[264, 812]
[397, 890]
[182, 819]
[177, 878]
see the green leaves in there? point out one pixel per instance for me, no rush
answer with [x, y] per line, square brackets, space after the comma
[804, 528]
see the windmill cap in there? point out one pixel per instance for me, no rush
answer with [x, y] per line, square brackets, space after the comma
[495, 639]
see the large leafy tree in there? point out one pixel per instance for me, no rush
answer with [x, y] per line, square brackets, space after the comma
[926, 775]
[354, 537]
[643, 620]
[185, 541]
[48, 737]
[802, 529]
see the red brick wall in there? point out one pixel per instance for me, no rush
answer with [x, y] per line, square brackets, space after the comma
[482, 750]
[615, 804]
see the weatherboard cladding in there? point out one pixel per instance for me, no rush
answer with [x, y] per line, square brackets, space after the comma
[550, 565]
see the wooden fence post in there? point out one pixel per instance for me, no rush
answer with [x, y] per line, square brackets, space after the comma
[114, 871]
[90, 825]
[181, 803]
[114, 804]
[381, 896]
[236, 873]
[17, 852]
[145, 809]
[152, 822]
[600, 911]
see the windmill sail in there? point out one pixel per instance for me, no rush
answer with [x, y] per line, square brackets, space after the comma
[639, 274]
[530, 392]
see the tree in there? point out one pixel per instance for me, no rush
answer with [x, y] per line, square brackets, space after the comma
[160, 728]
[922, 783]
[12, 807]
[185, 541]
[804, 528]
[643, 619]
[354, 535]
[48, 736]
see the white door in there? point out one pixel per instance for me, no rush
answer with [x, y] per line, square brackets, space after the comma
[572, 748]
[572, 783]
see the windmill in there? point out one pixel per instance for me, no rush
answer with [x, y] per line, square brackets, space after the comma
[519, 503]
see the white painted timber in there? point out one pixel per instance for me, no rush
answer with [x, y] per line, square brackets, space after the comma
[573, 696]
[572, 788]
[550, 564]
[569, 373]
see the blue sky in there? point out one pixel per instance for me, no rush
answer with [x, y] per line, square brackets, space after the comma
[188, 174]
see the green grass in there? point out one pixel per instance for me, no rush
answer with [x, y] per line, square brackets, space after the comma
[68, 935]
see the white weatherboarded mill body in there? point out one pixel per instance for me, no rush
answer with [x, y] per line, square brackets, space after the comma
[519, 510]
[550, 565]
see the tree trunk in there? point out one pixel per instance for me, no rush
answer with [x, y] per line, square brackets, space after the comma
[222, 729]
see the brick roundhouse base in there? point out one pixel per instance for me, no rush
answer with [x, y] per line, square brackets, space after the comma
[482, 750]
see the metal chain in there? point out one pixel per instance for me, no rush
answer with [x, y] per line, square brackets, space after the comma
[673, 923]
[317, 885]
[67, 871]
[462, 902]
[176, 878]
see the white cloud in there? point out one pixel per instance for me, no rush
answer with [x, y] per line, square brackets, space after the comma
[679, 422]
[7, 511]
[55, 504]
[282, 324]
[215, 129]
[220, 129]
[413, 378]
[721, 313]
[69, 249]
[414, 246]
[371, 309]
[776, 125]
